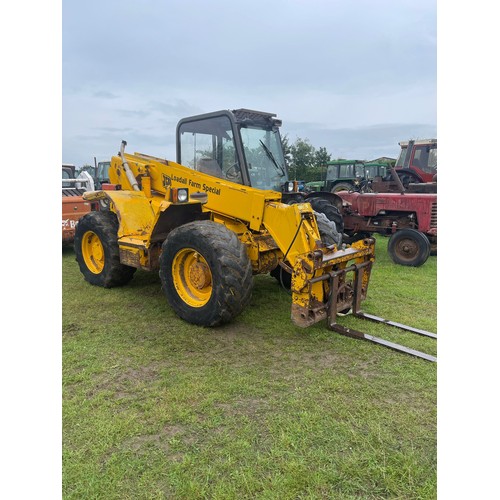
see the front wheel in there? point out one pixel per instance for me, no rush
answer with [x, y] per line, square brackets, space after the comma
[205, 273]
[97, 252]
[409, 247]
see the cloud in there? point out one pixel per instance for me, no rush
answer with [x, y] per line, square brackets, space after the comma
[105, 95]
[133, 113]
[363, 143]
[346, 67]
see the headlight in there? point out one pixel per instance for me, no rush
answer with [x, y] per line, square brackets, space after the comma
[179, 195]
[289, 187]
[182, 195]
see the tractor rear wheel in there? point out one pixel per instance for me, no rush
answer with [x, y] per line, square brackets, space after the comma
[331, 231]
[96, 249]
[205, 273]
[409, 247]
[342, 186]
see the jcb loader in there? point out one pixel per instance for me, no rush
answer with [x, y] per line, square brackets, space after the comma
[211, 220]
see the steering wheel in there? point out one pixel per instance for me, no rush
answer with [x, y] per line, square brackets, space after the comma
[234, 171]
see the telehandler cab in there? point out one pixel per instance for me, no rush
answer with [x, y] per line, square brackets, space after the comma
[214, 218]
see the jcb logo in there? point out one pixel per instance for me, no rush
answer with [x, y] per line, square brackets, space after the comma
[166, 180]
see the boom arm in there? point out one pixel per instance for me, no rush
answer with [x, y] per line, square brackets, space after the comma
[224, 197]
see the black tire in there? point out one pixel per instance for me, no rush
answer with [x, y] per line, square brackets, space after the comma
[329, 235]
[409, 247]
[205, 273]
[342, 186]
[103, 266]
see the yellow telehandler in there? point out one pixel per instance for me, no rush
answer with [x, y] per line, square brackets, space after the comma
[215, 217]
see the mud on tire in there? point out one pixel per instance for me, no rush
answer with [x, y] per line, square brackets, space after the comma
[96, 249]
[205, 273]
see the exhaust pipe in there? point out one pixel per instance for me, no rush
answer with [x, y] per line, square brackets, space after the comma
[128, 172]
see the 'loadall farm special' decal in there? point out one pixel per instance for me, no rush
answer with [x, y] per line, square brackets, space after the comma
[167, 182]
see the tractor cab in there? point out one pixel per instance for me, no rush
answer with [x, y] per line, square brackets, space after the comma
[343, 175]
[418, 160]
[102, 173]
[376, 169]
[239, 145]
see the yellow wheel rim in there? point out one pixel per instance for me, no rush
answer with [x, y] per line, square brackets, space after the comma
[93, 252]
[192, 277]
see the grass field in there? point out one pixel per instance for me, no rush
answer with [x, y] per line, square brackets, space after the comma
[154, 407]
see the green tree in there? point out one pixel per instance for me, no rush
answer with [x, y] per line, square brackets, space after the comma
[302, 152]
[321, 158]
[307, 163]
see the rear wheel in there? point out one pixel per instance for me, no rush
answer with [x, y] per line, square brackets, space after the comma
[96, 249]
[342, 186]
[205, 273]
[409, 247]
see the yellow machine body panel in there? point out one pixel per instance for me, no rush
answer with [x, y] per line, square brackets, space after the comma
[224, 197]
[144, 221]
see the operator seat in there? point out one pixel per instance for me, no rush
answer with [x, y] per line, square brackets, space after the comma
[210, 166]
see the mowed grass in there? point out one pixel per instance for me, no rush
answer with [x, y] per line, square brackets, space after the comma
[154, 407]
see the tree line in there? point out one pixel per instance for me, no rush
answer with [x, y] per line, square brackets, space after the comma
[304, 161]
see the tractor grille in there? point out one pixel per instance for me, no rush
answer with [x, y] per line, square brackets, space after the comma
[434, 215]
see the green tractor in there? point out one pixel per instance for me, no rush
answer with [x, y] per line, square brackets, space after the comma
[348, 175]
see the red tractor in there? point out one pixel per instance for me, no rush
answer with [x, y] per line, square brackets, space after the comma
[410, 219]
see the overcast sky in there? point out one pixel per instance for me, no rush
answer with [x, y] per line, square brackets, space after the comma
[355, 77]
